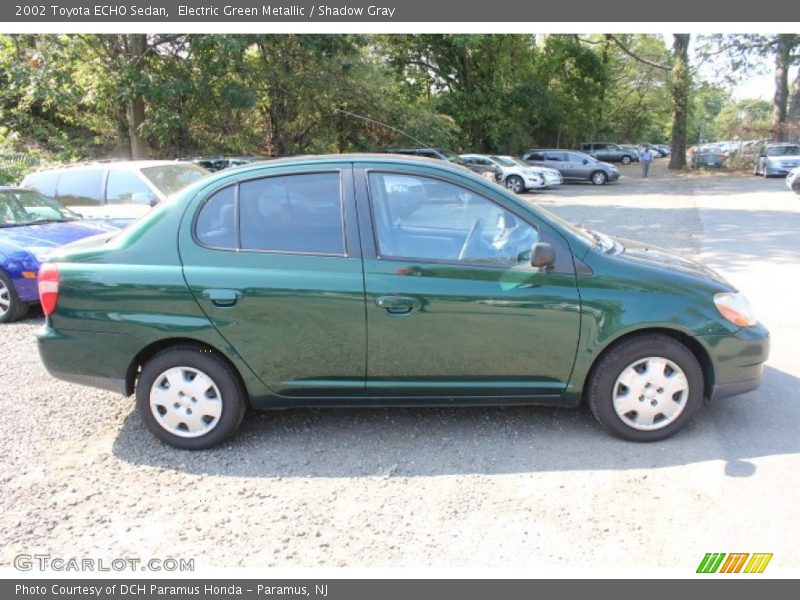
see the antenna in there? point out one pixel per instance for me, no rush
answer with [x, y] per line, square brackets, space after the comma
[369, 120]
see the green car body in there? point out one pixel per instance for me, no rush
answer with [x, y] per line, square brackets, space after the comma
[359, 327]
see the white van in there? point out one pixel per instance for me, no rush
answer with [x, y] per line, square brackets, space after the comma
[115, 192]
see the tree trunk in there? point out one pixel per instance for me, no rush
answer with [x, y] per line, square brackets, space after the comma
[793, 116]
[783, 55]
[123, 135]
[681, 84]
[137, 48]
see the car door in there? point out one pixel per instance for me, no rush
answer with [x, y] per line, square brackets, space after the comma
[128, 196]
[453, 306]
[557, 159]
[274, 261]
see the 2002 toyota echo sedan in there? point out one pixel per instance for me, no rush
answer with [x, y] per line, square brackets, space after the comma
[386, 280]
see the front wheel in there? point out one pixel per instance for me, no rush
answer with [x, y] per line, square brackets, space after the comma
[11, 307]
[599, 178]
[515, 184]
[190, 397]
[646, 389]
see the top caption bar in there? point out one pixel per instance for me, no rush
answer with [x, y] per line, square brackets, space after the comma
[407, 11]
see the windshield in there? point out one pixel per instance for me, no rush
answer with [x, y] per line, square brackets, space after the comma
[171, 178]
[24, 207]
[783, 151]
[506, 162]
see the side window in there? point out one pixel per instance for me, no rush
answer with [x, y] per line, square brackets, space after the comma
[554, 156]
[80, 187]
[601, 147]
[215, 226]
[535, 156]
[421, 218]
[125, 187]
[44, 183]
[293, 213]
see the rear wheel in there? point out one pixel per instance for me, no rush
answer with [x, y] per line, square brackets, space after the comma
[626, 160]
[599, 178]
[646, 389]
[190, 397]
[11, 307]
[515, 184]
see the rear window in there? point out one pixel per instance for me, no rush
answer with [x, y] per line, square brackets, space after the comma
[44, 182]
[292, 213]
[80, 187]
[168, 179]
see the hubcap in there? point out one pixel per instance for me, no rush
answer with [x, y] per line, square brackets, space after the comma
[5, 299]
[598, 178]
[650, 393]
[515, 185]
[186, 402]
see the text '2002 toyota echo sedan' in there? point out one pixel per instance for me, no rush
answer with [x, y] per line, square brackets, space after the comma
[386, 280]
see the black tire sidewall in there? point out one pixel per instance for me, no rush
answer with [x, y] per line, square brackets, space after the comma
[608, 368]
[215, 367]
[17, 308]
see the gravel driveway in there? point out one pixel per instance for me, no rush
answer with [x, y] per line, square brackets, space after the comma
[503, 487]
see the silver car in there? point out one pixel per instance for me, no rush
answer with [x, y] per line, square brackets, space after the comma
[777, 159]
[573, 166]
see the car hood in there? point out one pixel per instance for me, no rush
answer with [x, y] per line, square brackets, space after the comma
[40, 238]
[660, 258]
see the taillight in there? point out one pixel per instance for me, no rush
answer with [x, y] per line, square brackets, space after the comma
[48, 287]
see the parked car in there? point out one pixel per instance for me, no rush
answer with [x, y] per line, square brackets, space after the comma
[573, 166]
[664, 150]
[30, 226]
[707, 155]
[608, 152]
[115, 192]
[515, 174]
[776, 159]
[793, 180]
[657, 152]
[489, 171]
[217, 163]
[634, 150]
[297, 283]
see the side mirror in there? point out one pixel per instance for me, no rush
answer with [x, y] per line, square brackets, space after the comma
[144, 198]
[586, 161]
[543, 256]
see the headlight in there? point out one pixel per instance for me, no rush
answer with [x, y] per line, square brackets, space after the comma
[735, 308]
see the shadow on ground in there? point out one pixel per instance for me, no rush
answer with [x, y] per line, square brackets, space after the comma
[486, 441]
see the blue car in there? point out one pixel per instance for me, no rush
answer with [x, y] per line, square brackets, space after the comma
[30, 226]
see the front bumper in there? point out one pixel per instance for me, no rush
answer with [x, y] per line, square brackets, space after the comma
[613, 175]
[738, 360]
[778, 169]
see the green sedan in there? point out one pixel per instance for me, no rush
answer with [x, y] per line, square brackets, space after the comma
[386, 280]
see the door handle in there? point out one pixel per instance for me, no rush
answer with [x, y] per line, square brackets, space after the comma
[398, 305]
[222, 298]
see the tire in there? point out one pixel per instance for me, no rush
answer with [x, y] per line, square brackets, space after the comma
[626, 160]
[219, 392]
[11, 307]
[651, 365]
[515, 184]
[599, 178]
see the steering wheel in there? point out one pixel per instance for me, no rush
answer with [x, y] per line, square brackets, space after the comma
[473, 237]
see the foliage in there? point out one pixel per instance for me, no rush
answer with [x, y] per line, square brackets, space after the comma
[73, 97]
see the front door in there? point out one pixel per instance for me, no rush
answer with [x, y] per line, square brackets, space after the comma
[453, 306]
[274, 262]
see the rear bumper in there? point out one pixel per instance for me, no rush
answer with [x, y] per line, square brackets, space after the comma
[94, 359]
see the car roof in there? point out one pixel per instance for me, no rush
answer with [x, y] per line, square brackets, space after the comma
[131, 165]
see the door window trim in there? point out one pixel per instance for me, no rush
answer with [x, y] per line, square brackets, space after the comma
[237, 221]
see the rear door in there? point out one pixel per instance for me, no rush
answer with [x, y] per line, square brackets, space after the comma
[453, 306]
[275, 263]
